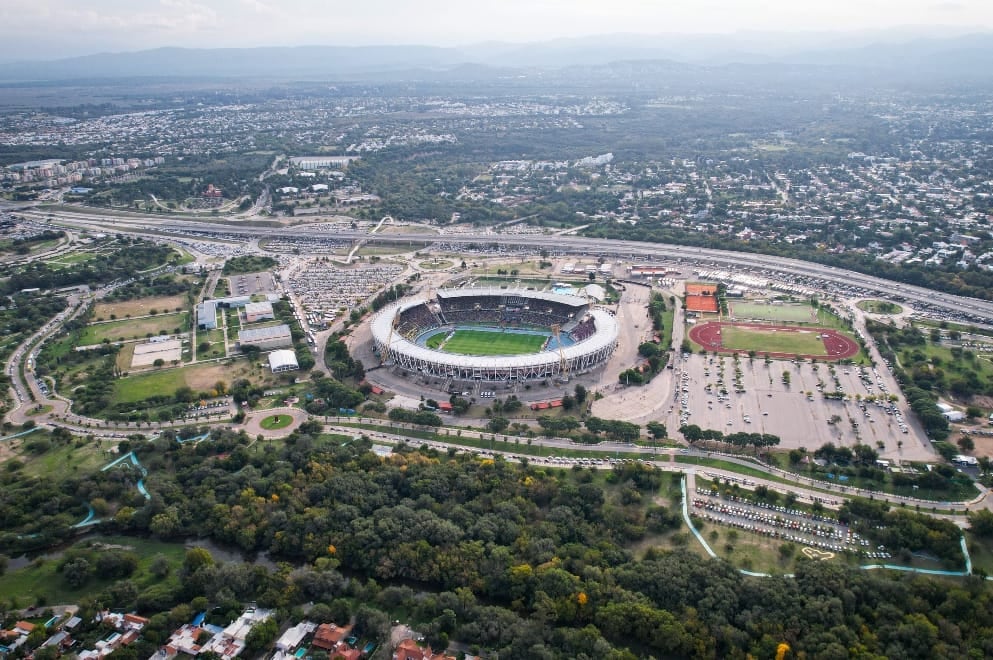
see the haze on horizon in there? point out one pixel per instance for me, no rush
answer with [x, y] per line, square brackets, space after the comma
[50, 29]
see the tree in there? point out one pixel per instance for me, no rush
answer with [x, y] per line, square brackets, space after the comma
[197, 558]
[981, 523]
[498, 424]
[76, 572]
[966, 444]
[657, 430]
[261, 635]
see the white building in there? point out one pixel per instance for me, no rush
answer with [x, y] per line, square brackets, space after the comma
[283, 360]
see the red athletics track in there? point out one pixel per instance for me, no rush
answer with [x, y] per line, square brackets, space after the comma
[837, 345]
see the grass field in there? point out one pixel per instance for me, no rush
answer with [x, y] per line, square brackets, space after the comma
[749, 339]
[200, 377]
[138, 307]
[132, 328]
[782, 313]
[487, 342]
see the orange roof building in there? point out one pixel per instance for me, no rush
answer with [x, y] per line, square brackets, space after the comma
[328, 635]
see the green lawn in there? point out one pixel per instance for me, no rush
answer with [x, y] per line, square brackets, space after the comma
[273, 422]
[806, 342]
[487, 342]
[139, 388]
[783, 313]
[133, 328]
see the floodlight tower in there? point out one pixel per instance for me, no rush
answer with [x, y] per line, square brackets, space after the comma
[386, 349]
[563, 364]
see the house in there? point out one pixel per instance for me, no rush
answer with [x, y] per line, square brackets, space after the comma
[292, 638]
[409, 650]
[328, 635]
[345, 654]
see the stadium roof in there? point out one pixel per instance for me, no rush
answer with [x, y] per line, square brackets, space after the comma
[594, 291]
[575, 301]
[606, 335]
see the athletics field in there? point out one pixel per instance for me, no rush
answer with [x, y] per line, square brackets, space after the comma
[487, 342]
[775, 341]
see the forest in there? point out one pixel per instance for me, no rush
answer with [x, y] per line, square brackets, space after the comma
[527, 561]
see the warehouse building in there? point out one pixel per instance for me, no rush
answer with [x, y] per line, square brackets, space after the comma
[260, 311]
[267, 339]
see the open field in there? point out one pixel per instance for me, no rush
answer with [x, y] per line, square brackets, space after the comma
[133, 328]
[200, 377]
[773, 341]
[138, 307]
[764, 312]
[485, 342]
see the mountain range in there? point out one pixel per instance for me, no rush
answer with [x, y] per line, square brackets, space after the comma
[961, 57]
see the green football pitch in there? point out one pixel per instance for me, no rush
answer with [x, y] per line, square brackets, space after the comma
[803, 342]
[744, 311]
[487, 342]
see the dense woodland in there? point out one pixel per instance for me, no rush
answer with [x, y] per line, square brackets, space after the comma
[528, 561]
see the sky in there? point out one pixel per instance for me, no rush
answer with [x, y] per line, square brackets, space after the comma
[48, 29]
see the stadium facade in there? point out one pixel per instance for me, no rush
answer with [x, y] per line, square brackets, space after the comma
[592, 332]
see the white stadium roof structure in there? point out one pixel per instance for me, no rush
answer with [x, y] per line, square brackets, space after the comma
[580, 357]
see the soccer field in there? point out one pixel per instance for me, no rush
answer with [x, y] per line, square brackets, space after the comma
[802, 342]
[743, 311]
[487, 342]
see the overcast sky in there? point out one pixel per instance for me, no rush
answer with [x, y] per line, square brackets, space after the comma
[43, 29]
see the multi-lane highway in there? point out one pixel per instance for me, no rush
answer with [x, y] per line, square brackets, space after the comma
[980, 311]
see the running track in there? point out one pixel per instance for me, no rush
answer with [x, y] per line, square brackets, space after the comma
[836, 345]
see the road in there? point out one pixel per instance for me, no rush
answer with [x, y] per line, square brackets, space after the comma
[772, 266]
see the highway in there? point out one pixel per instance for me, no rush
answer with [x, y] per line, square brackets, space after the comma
[774, 267]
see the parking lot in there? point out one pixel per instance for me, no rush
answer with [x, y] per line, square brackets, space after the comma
[752, 396]
[780, 522]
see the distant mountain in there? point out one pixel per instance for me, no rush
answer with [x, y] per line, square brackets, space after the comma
[900, 55]
[300, 62]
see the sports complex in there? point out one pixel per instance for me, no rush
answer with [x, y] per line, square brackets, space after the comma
[774, 340]
[492, 334]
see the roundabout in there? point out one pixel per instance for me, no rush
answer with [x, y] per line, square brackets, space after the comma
[275, 422]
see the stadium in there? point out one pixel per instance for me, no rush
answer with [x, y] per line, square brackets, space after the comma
[495, 335]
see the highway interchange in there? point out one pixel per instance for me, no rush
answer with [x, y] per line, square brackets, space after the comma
[970, 310]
